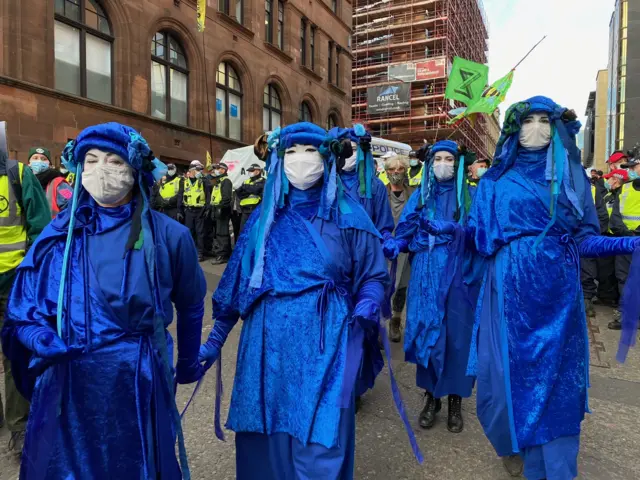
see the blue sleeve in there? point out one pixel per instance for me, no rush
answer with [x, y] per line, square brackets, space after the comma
[64, 194]
[384, 216]
[484, 224]
[409, 222]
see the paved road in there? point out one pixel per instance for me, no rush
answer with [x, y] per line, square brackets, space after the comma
[609, 440]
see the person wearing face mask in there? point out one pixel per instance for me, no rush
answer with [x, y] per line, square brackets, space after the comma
[399, 191]
[531, 220]
[414, 172]
[624, 220]
[53, 182]
[221, 204]
[476, 171]
[439, 302]
[90, 345]
[196, 199]
[307, 276]
[168, 194]
[616, 159]
[250, 193]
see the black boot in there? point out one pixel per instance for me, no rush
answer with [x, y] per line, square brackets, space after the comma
[431, 407]
[454, 422]
[588, 308]
[394, 329]
[615, 324]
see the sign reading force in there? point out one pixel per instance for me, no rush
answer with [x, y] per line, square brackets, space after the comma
[389, 98]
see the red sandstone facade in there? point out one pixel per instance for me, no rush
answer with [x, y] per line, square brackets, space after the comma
[39, 113]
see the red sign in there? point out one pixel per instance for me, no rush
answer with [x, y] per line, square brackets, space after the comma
[431, 69]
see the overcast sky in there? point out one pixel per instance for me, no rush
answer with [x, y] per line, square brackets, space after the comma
[565, 65]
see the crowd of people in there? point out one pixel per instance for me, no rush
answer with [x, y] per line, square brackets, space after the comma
[326, 252]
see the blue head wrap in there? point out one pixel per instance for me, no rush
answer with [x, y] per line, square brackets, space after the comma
[277, 187]
[563, 169]
[365, 164]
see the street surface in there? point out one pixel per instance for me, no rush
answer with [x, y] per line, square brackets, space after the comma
[610, 435]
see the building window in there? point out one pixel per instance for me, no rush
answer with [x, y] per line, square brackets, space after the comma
[330, 62]
[280, 25]
[304, 113]
[224, 6]
[313, 48]
[334, 6]
[228, 102]
[337, 83]
[83, 50]
[303, 41]
[239, 10]
[332, 121]
[268, 7]
[272, 108]
[169, 79]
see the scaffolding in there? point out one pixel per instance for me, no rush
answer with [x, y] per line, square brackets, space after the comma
[396, 32]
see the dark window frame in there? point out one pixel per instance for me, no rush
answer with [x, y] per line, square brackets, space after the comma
[166, 63]
[330, 62]
[305, 108]
[280, 23]
[224, 6]
[268, 24]
[312, 47]
[271, 108]
[332, 121]
[337, 67]
[227, 90]
[83, 29]
[334, 6]
[303, 41]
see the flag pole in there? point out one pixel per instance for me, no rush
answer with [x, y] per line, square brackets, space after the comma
[529, 53]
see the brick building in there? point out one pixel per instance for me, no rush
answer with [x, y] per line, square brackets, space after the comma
[68, 64]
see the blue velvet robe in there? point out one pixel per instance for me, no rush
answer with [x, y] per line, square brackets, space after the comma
[439, 302]
[532, 343]
[105, 412]
[377, 207]
[287, 380]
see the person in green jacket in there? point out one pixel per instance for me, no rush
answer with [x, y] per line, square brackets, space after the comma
[24, 212]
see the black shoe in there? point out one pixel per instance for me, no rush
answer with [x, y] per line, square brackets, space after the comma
[455, 424]
[588, 308]
[514, 465]
[428, 414]
[200, 258]
[358, 404]
[394, 329]
[16, 442]
[219, 260]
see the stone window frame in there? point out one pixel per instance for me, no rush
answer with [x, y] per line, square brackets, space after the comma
[229, 90]
[272, 86]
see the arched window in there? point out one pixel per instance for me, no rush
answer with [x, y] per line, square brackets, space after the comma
[332, 121]
[228, 102]
[304, 113]
[169, 79]
[83, 50]
[272, 108]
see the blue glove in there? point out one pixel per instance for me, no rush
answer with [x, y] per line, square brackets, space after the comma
[188, 368]
[210, 351]
[390, 248]
[438, 227]
[597, 246]
[367, 309]
[42, 340]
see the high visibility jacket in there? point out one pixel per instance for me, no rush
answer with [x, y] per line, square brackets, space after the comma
[71, 178]
[630, 206]
[383, 177]
[415, 181]
[251, 199]
[13, 233]
[593, 192]
[194, 195]
[171, 189]
[52, 195]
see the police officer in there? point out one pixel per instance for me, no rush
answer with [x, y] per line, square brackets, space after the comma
[196, 198]
[250, 193]
[168, 194]
[625, 221]
[24, 212]
[221, 203]
[414, 173]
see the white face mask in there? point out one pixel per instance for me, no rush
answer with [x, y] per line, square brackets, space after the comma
[443, 167]
[535, 133]
[303, 166]
[107, 177]
[350, 163]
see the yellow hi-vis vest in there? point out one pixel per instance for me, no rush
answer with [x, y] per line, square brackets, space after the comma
[383, 177]
[13, 233]
[630, 206]
[417, 180]
[593, 192]
[194, 193]
[251, 199]
[170, 189]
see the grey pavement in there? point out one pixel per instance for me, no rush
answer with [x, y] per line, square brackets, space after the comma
[610, 436]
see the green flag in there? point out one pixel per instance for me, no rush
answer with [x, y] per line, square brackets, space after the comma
[492, 96]
[466, 81]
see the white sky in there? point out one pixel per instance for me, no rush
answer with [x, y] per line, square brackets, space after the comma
[565, 65]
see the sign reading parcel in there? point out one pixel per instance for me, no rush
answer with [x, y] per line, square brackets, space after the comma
[389, 98]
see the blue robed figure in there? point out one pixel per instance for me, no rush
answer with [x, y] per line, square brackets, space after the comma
[532, 218]
[439, 301]
[86, 324]
[307, 277]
